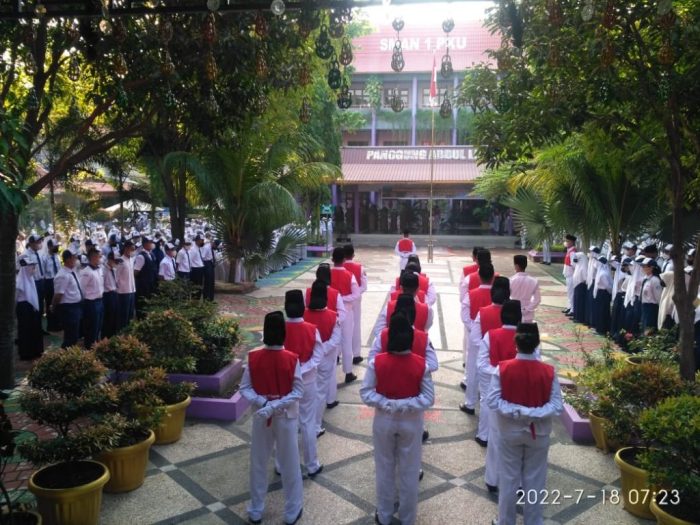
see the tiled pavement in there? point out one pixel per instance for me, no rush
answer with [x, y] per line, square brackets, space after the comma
[203, 479]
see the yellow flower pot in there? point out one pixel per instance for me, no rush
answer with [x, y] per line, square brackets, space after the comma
[69, 506]
[169, 429]
[635, 360]
[636, 481]
[663, 517]
[25, 517]
[598, 430]
[127, 465]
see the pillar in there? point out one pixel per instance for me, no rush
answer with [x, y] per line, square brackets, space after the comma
[454, 114]
[356, 210]
[334, 194]
[373, 129]
[414, 109]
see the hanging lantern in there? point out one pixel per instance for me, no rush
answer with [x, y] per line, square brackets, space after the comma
[335, 77]
[72, 34]
[664, 87]
[260, 66]
[32, 100]
[305, 111]
[211, 106]
[209, 29]
[74, 68]
[119, 31]
[346, 52]
[324, 48]
[668, 20]
[30, 65]
[396, 101]
[169, 100]
[448, 25]
[397, 61]
[119, 64]
[210, 69]
[213, 5]
[40, 10]
[165, 31]
[554, 13]
[262, 28]
[587, 11]
[167, 67]
[304, 74]
[446, 64]
[607, 56]
[609, 15]
[446, 107]
[121, 98]
[344, 97]
[666, 57]
[308, 21]
[105, 26]
[398, 24]
[553, 57]
[336, 27]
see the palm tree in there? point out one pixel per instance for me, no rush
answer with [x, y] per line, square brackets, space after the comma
[250, 190]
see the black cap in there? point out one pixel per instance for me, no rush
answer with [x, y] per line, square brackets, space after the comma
[406, 304]
[294, 303]
[323, 272]
[319, 295]
[400, 333]
[486, 271]
[409, 281]
[273, 329]
[412, 267]
[338, 255]
[500, 290]
[527, 337]
[483, 256]
[520, 261]
[511, 313]
[570, 237]
[349, 251]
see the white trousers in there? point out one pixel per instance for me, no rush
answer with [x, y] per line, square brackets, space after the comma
[570, 292]
[546, 253]
[472, 393]
[520, 455]
[308, 408]
[347, 331]
[465, 348]
[326, 385]
[491, 472]
[357, 328]
[281, 435]
[397, 446]
[484, 410]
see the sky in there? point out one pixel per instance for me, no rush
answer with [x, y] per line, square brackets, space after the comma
[428, 12]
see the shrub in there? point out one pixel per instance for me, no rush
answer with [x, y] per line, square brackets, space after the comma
[220, 336]
[155, 381]
[661, 347]
[123, 353]
[673, 430]
[178, 295]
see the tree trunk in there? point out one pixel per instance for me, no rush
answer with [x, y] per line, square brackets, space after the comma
[8, 235]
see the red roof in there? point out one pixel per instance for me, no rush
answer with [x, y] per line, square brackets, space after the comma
[468, 43]
[409, 165]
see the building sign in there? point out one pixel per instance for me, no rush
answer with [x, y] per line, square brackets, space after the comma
[426, 44]
[419, 154]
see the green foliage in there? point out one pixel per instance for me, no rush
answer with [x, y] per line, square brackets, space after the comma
[274, 254]
[673, 462]
[155, 380]
[178, 295]
[660, 347]
[220, 336]
[14, 149]
[374, 90]
[122, 353]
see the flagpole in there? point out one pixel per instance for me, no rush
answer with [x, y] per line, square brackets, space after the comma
[432, 172]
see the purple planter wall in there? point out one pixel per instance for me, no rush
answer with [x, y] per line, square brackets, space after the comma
[557, 257]
[218, 383]
[578, 428]
[230, 409]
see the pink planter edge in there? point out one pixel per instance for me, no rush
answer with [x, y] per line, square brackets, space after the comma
[231, 409]
[578, 428]
[215, 382]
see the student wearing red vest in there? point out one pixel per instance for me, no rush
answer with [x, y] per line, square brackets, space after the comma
[334, 299]
[471, 280]
[496, 346]
[474, 267]
[273, 384]
[471, 303]
[328, 326]
[570, 243]
[361, 277]
[488, 318]
[399, 386]
[424, 283]
[344, 281]
[525, 288]
[424, 314]
[404, 248]
[525, 395]
[304, 340]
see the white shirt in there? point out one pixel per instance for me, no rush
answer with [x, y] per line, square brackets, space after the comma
[92, 282]
[651, 290]
[382, 321]
[140, 261]
[568, 270]
[404, 255]
[207, 253]
[183, 260]
[39, 273]
[166, 270]
[126, 283]
[431, 359]
[526, 289]
[419, 403]
[52, 263]
[109, 275]
[196, 257]
[308, 369]
[66, 283]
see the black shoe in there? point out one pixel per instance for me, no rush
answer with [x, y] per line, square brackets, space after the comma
[463, 385]
[312, 475]
[277, 472]
[493, 489]
[349, 378]
[426, 435]
[254, 522]
[357, 360]
[376, 518]
[566, 310]
[481, 442]
[420, 475]
[295, 519]
[331, 406]
[464, 365]
[337, 360]
[464, 408]
[320, 432]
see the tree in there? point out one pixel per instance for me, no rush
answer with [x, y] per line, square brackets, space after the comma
[630, 70]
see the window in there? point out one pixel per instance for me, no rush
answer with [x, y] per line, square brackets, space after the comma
[359, 98]
[395, 143]
[389, 93]
[355, 143]
[440, 96]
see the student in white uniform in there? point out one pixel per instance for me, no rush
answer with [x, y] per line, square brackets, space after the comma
[183, 260]
[399, 386]
[650, 295]
[525, 395]
[404, 247]
[344, 281]
[52, 263]
[167, 269]
[197, 264]
[126, 286]
[526, 289]
[568, 271]
[273, 384]
[361, 277]
[30, 339]
[68, 299]
[92, 283]
[110, 298]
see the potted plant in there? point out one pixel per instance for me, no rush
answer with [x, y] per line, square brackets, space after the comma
[634, 389]
[140, 408]
[673, 462]
[67, 392]
[9, 515]
[660, 347]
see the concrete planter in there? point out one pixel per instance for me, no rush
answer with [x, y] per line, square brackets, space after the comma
[578, 428]
[318, 251]
[557, 257]
[217, 383]
[230, 409]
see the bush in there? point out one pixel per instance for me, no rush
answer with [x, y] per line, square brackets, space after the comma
[673, 430]
[155, 381]
[220, 336]
[122, 353]
[178, 295]
[661, 347]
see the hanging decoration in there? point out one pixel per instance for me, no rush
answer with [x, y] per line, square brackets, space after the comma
[553, 57]
[165, 31]
[309, 19]
[554, 12]
[667, 20]
[261, 70]
[210, 69]
[105, 26]
[74, 68]
[72, 34]
[666, 57]
[336, 25]
[607, 56]
[304, 74]
[213, 5]
[344, 97]
[397, 60]
[277, 7]
[167, 67]
[446, 107]
[30, 64]
[346, 52]
[119, 65]
[587, 11]
[119, 32]
[335, 77]
[211, 106]
[324, 47]
[663, 7]
[40, 10]
[609, 15]
[396, 101]
[169, 100]
[262, 28]
[448, 25]
[209, 29]
[446, 62]
[305, 111]
[32, 100]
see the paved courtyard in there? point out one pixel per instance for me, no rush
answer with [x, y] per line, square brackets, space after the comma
[203, 479]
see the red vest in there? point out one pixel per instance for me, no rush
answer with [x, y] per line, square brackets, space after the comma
[475, 280]
[331, 298]
[501, 345]
[421, 314]
[567, 257]
[355, 269]
[478, 298]
[341, 280]
[324, 320]
[399, 376]
[405, 245]
[272, 372]
[300, 339]
[525, 382]
[490, 317]
[423, 283]
[420, 341]
[420, 295]
[470, 268]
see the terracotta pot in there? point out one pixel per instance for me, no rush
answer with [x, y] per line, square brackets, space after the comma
[635, 486]
[127, 465]
[169, 430]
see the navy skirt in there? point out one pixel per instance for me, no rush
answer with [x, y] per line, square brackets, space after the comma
[650, 317]
[617, 317]
[601, 312]
[589, 307]
[580, 293]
